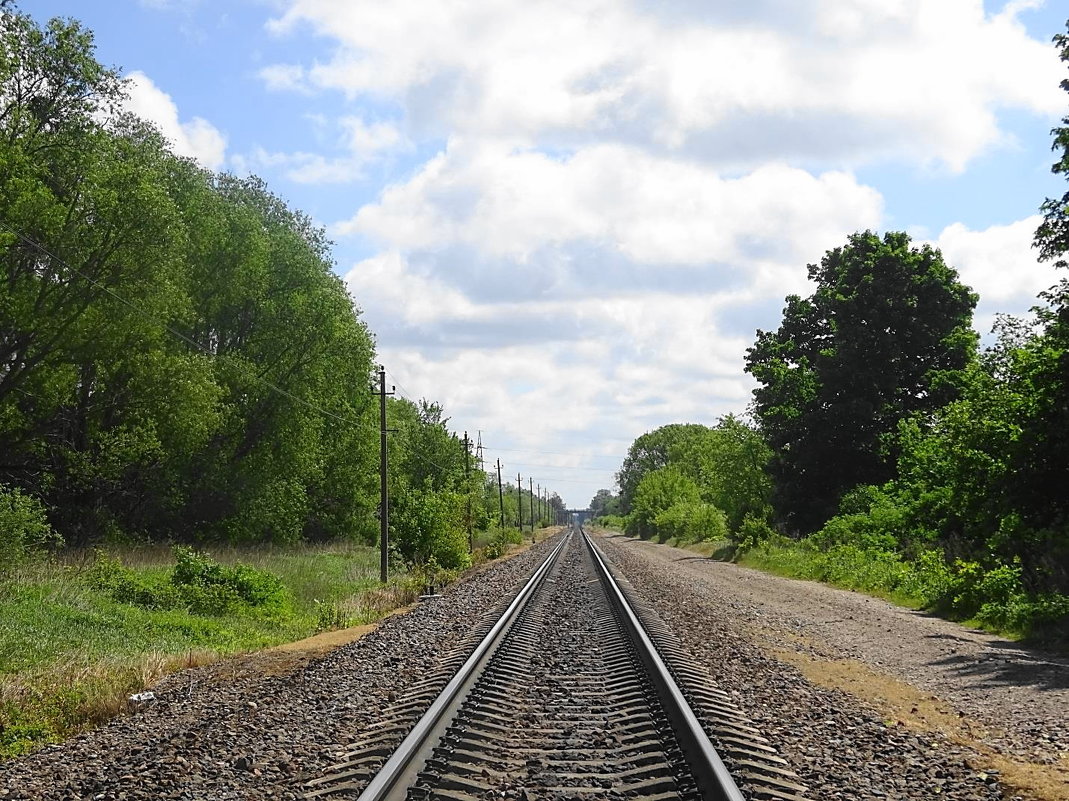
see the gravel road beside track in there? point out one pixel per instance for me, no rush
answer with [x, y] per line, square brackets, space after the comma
[865, 700]
[863, 697]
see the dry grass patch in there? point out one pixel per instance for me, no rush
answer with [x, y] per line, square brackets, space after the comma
[902, 704]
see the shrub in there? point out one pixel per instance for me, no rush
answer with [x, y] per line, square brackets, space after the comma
[691, 521]
[752, 531]
[125, 586]
[197, 583]
[500, 539]
[208, 587]
[657, 492]
[24, 527]
[430, 525]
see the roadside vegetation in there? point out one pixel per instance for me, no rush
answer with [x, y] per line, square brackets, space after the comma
[887, 450]
[82, 631]
[188, 412]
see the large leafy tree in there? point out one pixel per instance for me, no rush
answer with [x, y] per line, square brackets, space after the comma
[177, 356]
[1052, 238]
[884, 336]
[1040, 462]
[651, 451]
[604, 503]
[657, 492]
[729, 463]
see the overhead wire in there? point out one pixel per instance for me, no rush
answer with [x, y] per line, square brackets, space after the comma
[245, 367]
[408, 396]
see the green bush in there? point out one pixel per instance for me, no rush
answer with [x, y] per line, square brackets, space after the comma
[24, 527]
[615, 522]
[929, 579]
[208, 587]
[657, 492]
[691, 521]
[752, 531]
[125, 586]
[500, 539]
[430, 525]
[995, 597]
[197, 583]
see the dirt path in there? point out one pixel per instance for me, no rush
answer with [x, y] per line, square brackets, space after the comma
[1007, 703]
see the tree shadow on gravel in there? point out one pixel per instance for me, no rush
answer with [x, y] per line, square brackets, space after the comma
[723, 554]
[1009, 663]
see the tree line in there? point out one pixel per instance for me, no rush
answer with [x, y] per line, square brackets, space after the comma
[178, 360]
[881, 424]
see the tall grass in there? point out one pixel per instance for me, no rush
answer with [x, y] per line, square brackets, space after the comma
[70, 653]
[993, 598]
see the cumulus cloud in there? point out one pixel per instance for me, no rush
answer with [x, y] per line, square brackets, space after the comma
[616, 208]
[359, 141]
[851, 79]
[197, 138]
[1000, 264]
[282, 77]
[619, 193]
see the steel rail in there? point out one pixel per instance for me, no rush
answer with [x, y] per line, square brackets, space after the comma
[711, 774]
[401, 768]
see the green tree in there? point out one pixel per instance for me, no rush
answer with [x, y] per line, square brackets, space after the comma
[294, 360]
[729, 464]
[1040, 463]
[255, 432]
[884, 336]
[1052, 237]
[657, 492]
[651, 451]
[604, 503]
[430, 489]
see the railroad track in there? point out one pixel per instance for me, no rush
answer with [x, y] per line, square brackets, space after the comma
[573, 690]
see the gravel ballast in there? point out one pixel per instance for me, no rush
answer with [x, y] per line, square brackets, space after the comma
[258, 727]
[825, 673]
[228, 731]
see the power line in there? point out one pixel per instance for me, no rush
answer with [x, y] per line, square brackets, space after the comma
[561, 467]
[532, 450]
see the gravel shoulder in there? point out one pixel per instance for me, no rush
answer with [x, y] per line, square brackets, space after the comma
[1004, 707]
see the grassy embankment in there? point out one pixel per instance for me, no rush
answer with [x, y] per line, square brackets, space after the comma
[992, 599]
[82, 631]
[962, 591]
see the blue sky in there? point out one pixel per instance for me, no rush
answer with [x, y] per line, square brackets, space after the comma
[565, 219]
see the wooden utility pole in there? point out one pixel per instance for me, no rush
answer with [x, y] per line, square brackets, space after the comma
[500, 495]
[384, 498]
[467, 482]
[541, 513]
[519, 500]
[530, 493]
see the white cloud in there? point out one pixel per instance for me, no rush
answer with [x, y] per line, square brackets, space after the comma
[610, 269]
[576, 398]
[649, 210]
[626, 190]
[367, 140]
[284, 77]
[853, 79]
[360, 142]
[1000, 264]
[197, 138]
